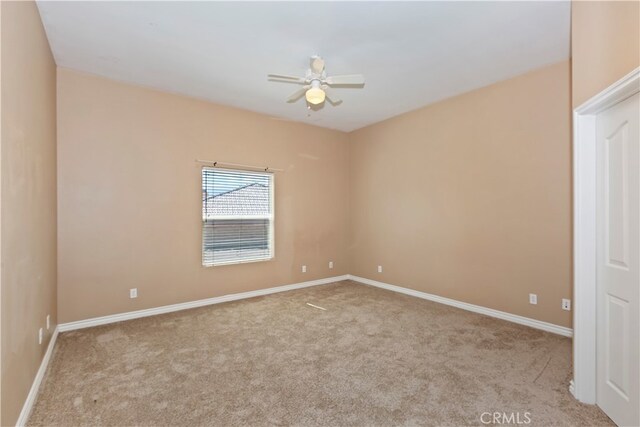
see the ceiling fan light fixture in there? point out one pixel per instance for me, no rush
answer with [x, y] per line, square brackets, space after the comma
[315, 96]
[317, 85]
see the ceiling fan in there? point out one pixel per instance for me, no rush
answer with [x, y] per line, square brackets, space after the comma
[317, 85]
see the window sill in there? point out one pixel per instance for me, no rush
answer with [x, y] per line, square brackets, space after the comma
[234, 262]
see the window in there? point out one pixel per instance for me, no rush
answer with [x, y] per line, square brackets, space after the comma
[237, 216]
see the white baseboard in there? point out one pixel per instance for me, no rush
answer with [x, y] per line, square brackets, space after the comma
[538, 324]
[35, 386]
[572, 388]
[87, 323]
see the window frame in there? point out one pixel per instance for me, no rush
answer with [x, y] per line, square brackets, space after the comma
[270, 216]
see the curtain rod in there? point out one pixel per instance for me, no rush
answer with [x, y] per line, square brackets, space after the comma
[238, 165]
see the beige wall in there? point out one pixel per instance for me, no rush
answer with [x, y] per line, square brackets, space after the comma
[130, 199]
[605, 39]
[470, 198]
[28, 200]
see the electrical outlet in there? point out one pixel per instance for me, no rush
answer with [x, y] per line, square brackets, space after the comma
[40, 334]
[48, 321]
[379, 269]
[533, 299]
[330, 264]
[566, 304]
[133, 293]
[304, 268]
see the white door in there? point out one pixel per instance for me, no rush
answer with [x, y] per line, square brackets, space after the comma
[618, 261]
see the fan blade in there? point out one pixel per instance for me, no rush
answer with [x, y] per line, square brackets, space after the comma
[292, 79]
[331, 96]
[297, 94]
[352, 79]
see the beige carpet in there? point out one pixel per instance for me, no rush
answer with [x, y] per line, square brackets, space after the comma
[372, 358]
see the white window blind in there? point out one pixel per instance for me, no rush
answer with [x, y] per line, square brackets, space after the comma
[237, 216]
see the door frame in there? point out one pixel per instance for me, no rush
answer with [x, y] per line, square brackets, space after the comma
[583, 386]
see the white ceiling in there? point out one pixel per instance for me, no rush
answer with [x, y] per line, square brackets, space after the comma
[411, 53]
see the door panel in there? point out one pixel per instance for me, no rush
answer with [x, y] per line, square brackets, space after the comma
[616, 195]
[617, 358]
[618, 261]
